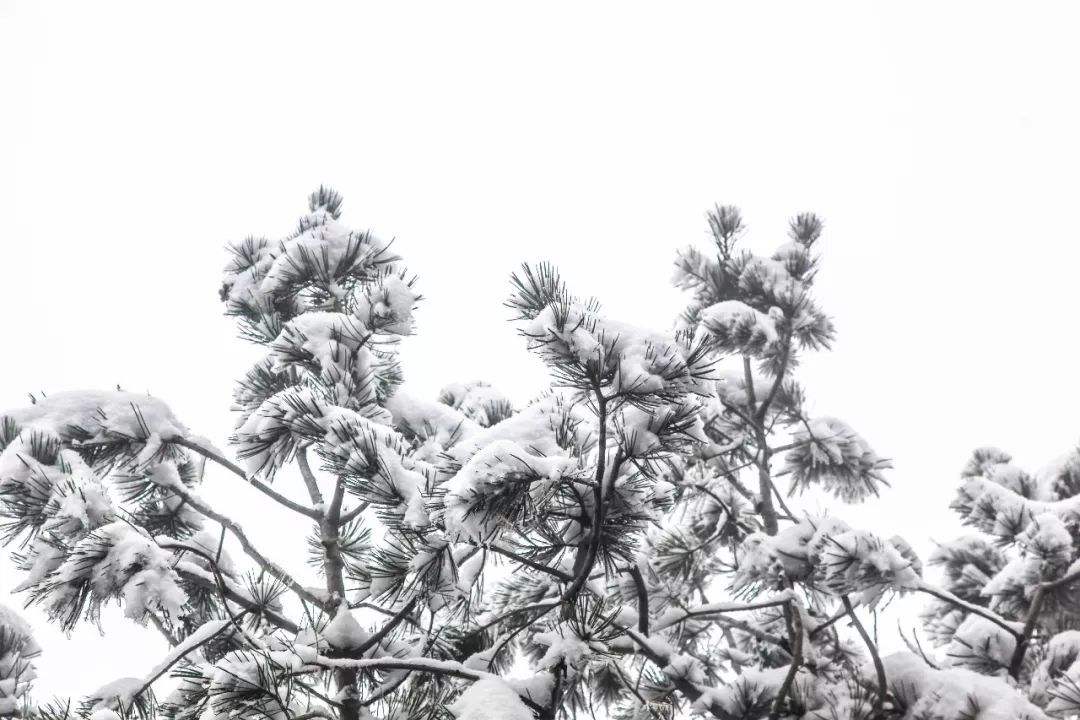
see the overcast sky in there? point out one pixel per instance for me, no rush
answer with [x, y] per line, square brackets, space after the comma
[938, 140]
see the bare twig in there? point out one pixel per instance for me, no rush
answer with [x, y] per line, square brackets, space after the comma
[309, 477]
[642, 598]
[239, 472]
[879, 668]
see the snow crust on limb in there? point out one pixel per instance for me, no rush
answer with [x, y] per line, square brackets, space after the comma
[490, 475]
[344, 631]
[490, 699]
[558, 648]
[550, 425]
[485, 476]
[633, 361]
[981, 645]
[433, 427]
[953, 692]
[1058, 671]
[829, 453]
[119, 694]
[737, 326]
[93, 416]
[478, 401]
[117, 561]
[832, 557]
[191, 643]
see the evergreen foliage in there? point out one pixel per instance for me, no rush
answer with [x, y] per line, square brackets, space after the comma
[619, 547]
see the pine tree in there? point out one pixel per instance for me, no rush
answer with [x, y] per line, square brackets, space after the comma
[619, 547]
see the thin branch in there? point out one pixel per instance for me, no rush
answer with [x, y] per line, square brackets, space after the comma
[642, 599]
[157, 622]
[879, 668]
[765, 484]
[916, 646]
[785, 356]
[723, 505]
[660, 656]
[206, 580]
[748, 372]
[630, 686]
[309, 477]
[192, 643]
[827, 624]
[386, 629]
[249, 549]
[780, 499]
[448, 668]
[719, 608]
[796, 661]
[334, 570]
[564, 576]
[970, 607]
[348, 517]
[314, 714]
[605, 478]
[239, 472]
[542, 607]
[1016, 662]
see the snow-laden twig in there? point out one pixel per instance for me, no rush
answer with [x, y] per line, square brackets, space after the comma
[1016, 662]
[972, 608]
[675, 616]
[659, 653]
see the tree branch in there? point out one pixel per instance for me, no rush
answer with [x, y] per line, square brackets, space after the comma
[334, 569]
[785, 356]
[796, 661]
[206, 580]
[249, 549]
[879, 668]
[348, 517]
[642, 600]
[386, 629]
[564, 576]
[309, 477]
[239, 472]
[970, 607]
[661, 658]
[448, 668]
[1016, 662]
[719, 608]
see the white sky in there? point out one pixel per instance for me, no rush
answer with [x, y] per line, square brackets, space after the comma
[938, 140]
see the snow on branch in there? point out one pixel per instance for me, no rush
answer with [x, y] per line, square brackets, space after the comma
[618, 547]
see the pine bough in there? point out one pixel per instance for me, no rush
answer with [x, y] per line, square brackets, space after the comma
[619, 547]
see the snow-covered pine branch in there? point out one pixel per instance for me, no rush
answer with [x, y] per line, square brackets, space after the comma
[625, 545]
